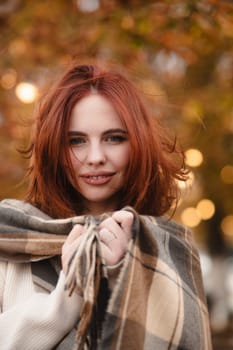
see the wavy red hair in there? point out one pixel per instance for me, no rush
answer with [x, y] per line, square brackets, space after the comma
[155, 163]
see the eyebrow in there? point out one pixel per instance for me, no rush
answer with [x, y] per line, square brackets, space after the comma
[106, 132]
[111, 131]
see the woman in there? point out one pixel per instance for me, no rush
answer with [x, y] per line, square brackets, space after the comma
[102, 173]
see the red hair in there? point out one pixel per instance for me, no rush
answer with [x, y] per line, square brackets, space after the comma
[155, 160]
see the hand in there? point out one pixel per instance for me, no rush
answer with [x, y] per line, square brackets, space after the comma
[115, 233]
[71, 245]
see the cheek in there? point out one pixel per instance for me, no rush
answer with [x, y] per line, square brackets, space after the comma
[75, 163]
[123, 157]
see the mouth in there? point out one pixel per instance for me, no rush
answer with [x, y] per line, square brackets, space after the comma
[97, 179]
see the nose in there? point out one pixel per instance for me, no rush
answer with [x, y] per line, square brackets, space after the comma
[96, 154]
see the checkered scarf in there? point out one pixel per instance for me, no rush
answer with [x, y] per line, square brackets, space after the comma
[158, 300]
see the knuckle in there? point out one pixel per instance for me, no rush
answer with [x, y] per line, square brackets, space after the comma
[123, 215]
[77, 228]
[113, 260]
[129, 215]
[106, 222]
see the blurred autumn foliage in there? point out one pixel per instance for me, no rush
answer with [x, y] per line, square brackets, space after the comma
[180, 54]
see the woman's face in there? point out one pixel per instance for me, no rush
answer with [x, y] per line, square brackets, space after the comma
[99, 152]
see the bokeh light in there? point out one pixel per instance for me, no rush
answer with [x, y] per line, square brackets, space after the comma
[169, 65]
[26, 92]
[194, 157]
[227, 225]
[206, 209]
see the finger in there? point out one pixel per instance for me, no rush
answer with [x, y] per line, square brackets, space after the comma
[113, 247]
[111, 257]
[111, 225]
[125, 220]
[76, 231]
[114, 229]
[106, 236]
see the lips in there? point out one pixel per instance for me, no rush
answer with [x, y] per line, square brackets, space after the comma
[97, 179]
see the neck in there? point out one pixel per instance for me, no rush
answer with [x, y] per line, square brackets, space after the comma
[100, 208]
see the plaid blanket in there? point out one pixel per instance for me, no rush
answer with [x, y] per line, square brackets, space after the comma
[158, 300]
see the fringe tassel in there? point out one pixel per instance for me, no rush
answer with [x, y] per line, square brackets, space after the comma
[85, 270]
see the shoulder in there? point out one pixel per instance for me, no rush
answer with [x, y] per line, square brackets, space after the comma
[166, 224]
[166, 229]
[174, 228]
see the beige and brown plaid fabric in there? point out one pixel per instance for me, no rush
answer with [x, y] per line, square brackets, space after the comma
[157, 302]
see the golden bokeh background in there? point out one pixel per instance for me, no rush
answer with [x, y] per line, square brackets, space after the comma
[180, 54]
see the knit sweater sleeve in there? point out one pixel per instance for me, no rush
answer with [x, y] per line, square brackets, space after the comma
[41, 321]
[2, 281]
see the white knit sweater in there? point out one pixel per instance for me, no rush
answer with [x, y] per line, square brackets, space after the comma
[31, 319]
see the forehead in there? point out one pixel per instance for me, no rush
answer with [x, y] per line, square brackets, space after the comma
[94, 111]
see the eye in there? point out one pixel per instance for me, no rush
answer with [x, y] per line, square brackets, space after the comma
[76, 141]
[115, 138]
